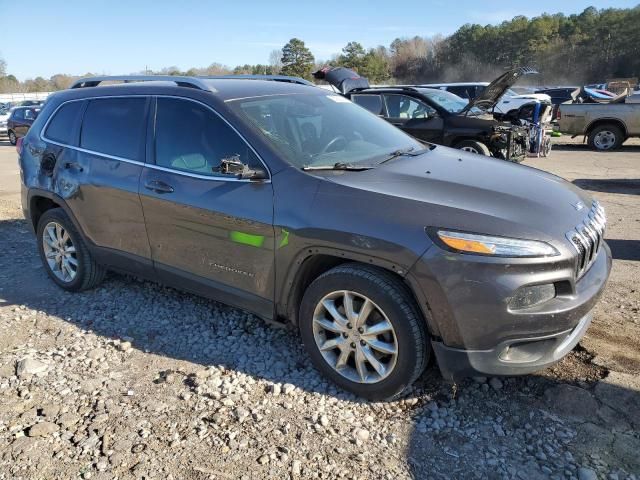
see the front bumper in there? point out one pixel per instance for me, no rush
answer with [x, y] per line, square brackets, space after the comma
[513, 357]
[474, 332]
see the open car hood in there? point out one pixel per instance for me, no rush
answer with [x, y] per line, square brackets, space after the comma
[342, 78]
[495, 90]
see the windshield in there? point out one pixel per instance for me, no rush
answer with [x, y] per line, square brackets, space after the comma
[447, 100]
[319, 130]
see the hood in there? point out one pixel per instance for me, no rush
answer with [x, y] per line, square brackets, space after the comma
[457, 190]
[342, 78]
[496, 89]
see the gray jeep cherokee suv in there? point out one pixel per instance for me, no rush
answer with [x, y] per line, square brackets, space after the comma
[293, 203]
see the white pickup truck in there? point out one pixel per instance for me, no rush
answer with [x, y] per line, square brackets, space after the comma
[605, 125]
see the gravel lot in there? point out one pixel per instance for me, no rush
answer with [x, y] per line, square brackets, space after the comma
[135, 380]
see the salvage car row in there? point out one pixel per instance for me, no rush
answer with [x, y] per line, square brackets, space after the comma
[478, 117]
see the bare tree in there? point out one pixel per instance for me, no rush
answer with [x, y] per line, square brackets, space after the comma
[3, 67]
[217, 69]
[275, 60]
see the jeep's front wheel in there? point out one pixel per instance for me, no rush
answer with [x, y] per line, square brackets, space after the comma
[64, 254]
[363, 331]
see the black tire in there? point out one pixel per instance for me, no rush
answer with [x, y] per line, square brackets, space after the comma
[473, 146]
[611, 132]
[392, 297]
[546, 146]
[12, 137]
[88, 272]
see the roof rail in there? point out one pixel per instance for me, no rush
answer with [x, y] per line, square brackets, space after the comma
[275, 78]
[192, 82]
[182, 81]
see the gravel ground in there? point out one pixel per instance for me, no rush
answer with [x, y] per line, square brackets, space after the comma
[135, 380]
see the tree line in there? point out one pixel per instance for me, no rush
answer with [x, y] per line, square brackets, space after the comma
[588, 47]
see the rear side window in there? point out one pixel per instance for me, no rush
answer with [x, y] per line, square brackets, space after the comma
[18, 114]
[115, 126]
[63, 123]
[373, 103]
[191, 138]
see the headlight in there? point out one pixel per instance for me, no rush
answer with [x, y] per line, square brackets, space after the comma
[498, 246]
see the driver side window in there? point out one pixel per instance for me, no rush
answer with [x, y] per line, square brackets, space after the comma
[405, 107]
[191, 138]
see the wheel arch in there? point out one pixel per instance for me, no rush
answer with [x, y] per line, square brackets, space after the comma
[314, 261]
[462, 138]
[606, 121]
[39, 201]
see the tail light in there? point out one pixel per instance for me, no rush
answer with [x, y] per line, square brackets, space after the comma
[559, 114]
[19, 143]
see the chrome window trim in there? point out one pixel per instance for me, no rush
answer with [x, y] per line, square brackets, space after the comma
[153, 165]
[97, 154]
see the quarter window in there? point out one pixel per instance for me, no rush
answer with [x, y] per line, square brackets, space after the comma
[191, 138]
[63, 123]
[115, 126]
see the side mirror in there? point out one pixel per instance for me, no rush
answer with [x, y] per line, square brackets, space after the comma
[234, 166]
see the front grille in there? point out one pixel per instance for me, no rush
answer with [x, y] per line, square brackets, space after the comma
[587, 238]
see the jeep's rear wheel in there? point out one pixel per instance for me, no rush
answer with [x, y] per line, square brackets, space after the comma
[473, 146]
[363, 331]
[64, 254]
[12, 137]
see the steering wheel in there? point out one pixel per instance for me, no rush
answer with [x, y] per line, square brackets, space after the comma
[332, 143]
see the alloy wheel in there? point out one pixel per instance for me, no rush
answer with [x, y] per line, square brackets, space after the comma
[355, 337]
[60, 252]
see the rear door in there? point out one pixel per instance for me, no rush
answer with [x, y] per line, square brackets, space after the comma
[98, 168]
[414, 117]
[30, 115]
[209, 233]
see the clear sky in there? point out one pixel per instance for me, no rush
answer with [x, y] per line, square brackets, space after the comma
[121, 37]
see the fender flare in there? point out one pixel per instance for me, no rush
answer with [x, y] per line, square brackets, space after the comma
[286, 296]
[595, 122]
[57, 199]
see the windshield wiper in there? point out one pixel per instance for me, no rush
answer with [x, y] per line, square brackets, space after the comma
[337, 166]
[407, 152]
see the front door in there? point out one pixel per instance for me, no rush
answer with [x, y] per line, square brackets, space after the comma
[209, 233]
[414, 117]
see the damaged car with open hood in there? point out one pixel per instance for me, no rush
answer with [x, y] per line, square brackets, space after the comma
[437, 116]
